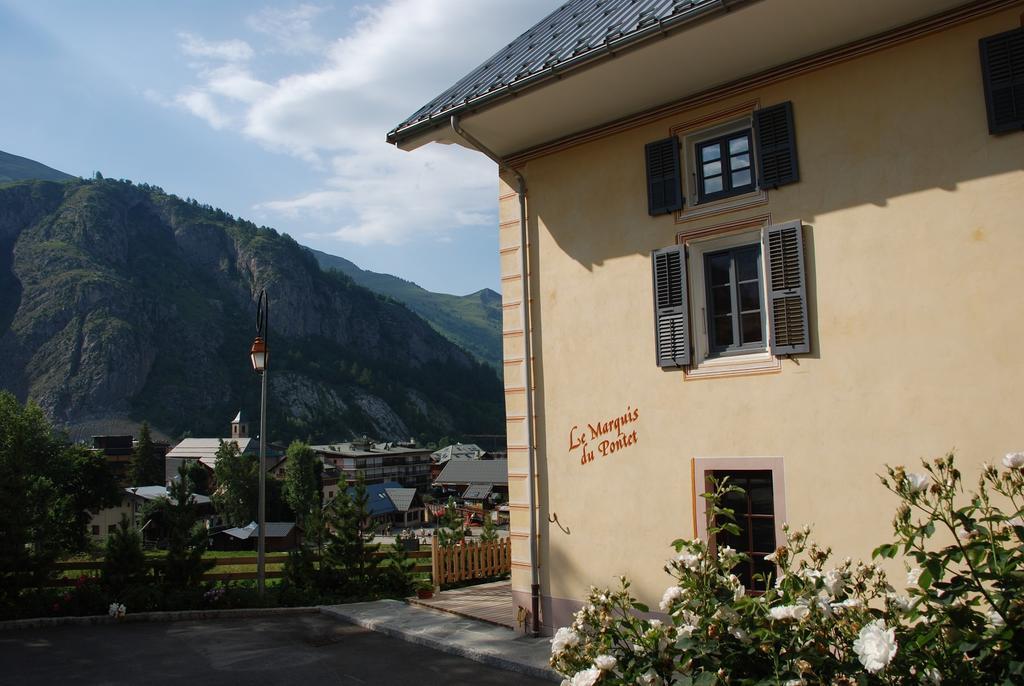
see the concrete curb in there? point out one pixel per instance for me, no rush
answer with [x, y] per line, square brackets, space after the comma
[180, 615]
[486, 657]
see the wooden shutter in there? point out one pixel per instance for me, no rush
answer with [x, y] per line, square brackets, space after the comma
[776, 146]
[787, 289]
[671, 316]
[1002, 71]
[664, 189]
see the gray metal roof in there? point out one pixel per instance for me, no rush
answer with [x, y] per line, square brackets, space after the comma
[457, 451]
[401, 497]
[578, 32]
[274, 530]
[154, 492]
[491, 472]
[477, 491]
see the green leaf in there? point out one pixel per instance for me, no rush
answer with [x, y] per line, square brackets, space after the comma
[640, 606]
[706, 679]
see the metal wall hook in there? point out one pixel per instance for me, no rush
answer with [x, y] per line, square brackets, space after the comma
[553, 518]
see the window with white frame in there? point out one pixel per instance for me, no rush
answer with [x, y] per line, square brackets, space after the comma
[740, 296]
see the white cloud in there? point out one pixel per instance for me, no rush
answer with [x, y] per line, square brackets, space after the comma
[202, 105]
[291, 29]
[234, 50]
[395, 57]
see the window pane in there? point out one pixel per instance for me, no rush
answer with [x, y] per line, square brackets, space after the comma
[712, 169]
[723, 331]
[739, 144]
[749, 297]
[711, 152]
[713, 185]
[739, 161]
[750, 324]
[764, 535]
[760, 491]
[765, 569]
[718, 269]
[741, 178]
[746, 264]
[721, 300]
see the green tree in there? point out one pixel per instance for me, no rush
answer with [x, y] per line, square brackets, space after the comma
[451, 529]
[349, 554]
[490, 532]
[303, 487]
[124, 563]
[184, 565]
[147, 465]
[199, 476]
[236, 497]
[46, 489]
[397, 577]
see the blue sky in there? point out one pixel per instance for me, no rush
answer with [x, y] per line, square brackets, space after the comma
[272, 111]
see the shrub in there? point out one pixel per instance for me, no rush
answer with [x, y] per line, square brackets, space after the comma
[957, 623]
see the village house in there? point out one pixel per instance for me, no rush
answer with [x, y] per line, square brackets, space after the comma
[762, 239]
[204, 450]
[406, 463]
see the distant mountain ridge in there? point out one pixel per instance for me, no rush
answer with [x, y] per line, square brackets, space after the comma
[472, 321]
[121, 303]
[15, 168]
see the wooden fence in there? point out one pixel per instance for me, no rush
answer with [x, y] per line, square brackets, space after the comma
[472, 560]
[93, 567]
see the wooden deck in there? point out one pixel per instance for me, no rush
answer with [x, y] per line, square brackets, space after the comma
[487, 602]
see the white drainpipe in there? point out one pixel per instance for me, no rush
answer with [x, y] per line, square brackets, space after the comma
[528, 380]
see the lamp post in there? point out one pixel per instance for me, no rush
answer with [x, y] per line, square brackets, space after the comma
[259, 354]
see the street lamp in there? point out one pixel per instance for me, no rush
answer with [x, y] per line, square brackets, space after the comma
[259, 354]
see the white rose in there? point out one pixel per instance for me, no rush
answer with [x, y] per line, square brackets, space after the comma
[564, 638]
[875, 646]
[913, 574]
[649, 678]
[605, 662]
[833, 581]
[1014, 460]
[588, 677]
[687, 629]
[672, 594]
[726, 554]
[917, 482]
[738, 592]
[995, 619]
[901, 602]
[773, 557]
[933, 676]
[688, 560]
[784, 612]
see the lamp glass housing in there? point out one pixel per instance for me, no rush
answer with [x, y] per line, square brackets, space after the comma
[258, 355]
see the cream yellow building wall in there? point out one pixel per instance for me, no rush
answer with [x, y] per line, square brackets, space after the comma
[914, 240]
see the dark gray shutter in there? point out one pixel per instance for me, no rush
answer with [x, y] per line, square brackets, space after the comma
[1002, 71]
[787, 289]
[671, 317]
[776, 146]
[664, 188]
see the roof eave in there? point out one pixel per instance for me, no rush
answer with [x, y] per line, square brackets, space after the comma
[417, 133]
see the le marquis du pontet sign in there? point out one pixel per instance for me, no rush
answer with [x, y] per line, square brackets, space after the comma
[604, 437]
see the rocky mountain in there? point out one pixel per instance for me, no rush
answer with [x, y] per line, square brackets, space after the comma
[121, 303]
[472, 321]
[14, 168]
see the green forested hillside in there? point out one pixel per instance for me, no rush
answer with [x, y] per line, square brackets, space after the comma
[119, 303]
[472, 321]
[14, 168]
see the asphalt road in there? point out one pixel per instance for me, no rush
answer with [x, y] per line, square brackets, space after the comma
[297, 649]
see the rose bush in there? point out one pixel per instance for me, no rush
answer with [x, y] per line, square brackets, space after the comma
[819, 622]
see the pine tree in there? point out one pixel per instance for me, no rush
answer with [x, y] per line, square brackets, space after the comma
[186, 536]
[397, 577]
[349, 554]
[124, 563]
[490, 532]
[451, 529]
[147, 466]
